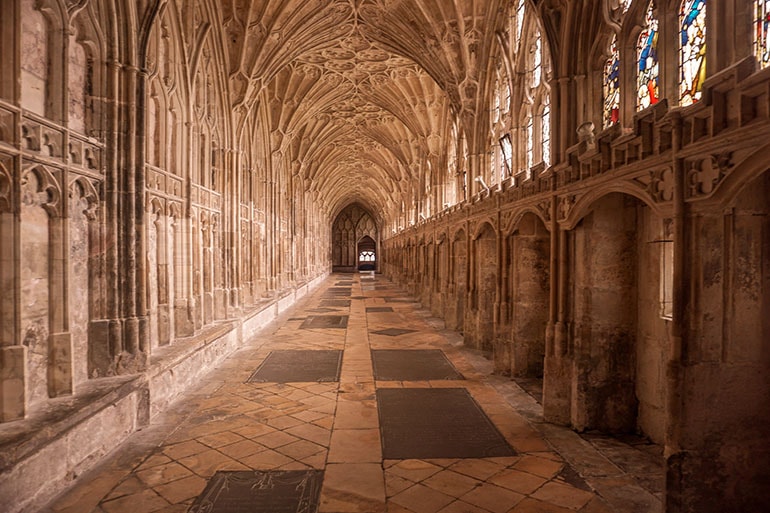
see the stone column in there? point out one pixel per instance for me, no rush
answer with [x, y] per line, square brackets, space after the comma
[60, 365]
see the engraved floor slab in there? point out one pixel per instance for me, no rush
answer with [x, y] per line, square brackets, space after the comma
[325, 321]
[290, 366]
[412, 365]
[278, 491]
[423, 423]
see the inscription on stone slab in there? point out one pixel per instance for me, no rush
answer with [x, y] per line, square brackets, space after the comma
[291, 366]
[278, 491]
[412, 365]
[423, 423]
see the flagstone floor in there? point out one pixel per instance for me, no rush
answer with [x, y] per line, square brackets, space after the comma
[227, 423]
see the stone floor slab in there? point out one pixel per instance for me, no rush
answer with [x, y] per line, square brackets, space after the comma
[261, 492]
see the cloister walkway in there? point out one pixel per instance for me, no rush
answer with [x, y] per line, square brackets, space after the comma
[241, 417]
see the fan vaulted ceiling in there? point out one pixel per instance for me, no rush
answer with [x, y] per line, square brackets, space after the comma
[364, 94]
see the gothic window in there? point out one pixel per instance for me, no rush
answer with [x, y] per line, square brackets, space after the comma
[545, 132]
[762, 46]
[612, 85]
[647, 92]
[500, 123]
[692, 53]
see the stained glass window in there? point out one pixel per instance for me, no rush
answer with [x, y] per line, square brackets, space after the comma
[612, 85]
[647, 92]
[761, 37]
[545, 132]
[692, 54]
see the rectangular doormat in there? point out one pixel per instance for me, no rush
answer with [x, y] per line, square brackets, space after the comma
[423, 423]
[277, 491]
[338, 291]
[412, 365]
[297, 366]
[324, 321]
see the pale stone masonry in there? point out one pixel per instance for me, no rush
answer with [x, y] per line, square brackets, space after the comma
[175, 174]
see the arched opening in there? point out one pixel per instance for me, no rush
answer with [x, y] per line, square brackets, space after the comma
[620, 329]
[353, 226]
[367, 254]
[528, 250]
[483, 290]
[455, 304]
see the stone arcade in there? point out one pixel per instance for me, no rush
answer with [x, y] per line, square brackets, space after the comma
[580, 188]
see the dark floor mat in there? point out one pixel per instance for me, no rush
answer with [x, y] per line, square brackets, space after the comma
[335, 303]
[423, 423]
[337, 291]
[379, 309]
[393, 332]
[412, 365]
[325, 321]
[277, 491]
[292, 366]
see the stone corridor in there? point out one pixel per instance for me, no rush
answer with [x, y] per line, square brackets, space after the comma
[228, 423]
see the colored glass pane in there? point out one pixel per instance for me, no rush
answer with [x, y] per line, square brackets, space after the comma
[647, 92]
[761, 42]
[692, 53]
[612, 85]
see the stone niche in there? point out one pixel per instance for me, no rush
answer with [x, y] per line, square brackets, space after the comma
[528, 250]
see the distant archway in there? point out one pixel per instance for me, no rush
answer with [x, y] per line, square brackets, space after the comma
[352, 227]
[367, 254]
